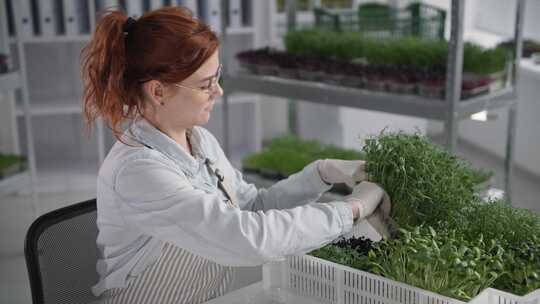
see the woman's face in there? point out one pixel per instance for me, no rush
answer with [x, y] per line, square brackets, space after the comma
[190, 102]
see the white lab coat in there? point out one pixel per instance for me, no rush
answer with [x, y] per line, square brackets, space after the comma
[156, 192]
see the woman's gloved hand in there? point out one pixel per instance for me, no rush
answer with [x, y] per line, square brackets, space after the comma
[350, 172]
[366, 197]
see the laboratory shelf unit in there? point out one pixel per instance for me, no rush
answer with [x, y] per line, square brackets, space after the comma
[10, 84]
[46, 38]
[323, 93]
[450, 110]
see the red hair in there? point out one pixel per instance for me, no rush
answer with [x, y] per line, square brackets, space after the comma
[167, 45]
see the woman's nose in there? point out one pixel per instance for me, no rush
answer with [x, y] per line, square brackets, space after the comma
[219, 90]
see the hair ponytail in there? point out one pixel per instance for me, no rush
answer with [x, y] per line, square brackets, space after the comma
[167, 44]
[104, 64]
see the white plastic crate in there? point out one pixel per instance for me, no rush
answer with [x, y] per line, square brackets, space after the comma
[330, 283]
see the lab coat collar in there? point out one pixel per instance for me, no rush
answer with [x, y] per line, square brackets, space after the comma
[148, 135]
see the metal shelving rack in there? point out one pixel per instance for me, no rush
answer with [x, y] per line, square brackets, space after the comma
[10, 82]
[22, 40]
[450, 111]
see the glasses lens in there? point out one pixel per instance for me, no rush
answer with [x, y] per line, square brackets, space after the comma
[212, 86]
[218, 75]
[212, 82]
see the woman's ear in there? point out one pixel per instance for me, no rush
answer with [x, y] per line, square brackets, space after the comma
[155, 91]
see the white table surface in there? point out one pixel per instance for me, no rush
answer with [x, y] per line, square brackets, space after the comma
[240, 296]
[248, 295]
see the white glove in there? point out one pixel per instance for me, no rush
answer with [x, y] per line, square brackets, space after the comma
[380, 219]
[366, 197]
[350, 172]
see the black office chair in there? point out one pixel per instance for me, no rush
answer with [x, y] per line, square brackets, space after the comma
[61, 254]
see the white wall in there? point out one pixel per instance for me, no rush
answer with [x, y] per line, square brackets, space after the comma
[488, 29]
[359, 124]
[348, 127]
[532, 14]
[501, 17]
[491, 135]
[274, 110]
[274, 113]
[320, 122]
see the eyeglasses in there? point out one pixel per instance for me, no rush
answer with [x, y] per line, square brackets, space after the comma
[209, 89]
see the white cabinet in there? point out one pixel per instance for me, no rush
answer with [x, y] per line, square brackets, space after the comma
[10, 83]
[57, 138]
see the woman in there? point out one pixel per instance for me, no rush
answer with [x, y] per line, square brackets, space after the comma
[174, 216]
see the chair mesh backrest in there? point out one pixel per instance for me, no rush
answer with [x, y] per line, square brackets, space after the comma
[61, 254]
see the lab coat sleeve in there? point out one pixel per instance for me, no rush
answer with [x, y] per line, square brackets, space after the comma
[298, 189]
[158, 201]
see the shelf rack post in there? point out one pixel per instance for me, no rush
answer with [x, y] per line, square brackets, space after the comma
[26, 107]
[31, 157]
[225, 70]
[292, 104]
[512, 110]
[454, 68]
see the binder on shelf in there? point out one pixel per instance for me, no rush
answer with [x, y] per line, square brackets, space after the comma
[192, 5]
[235, 13]
[4, 32]
[108, 4]
[213, 15]
[247, 12]
[48, 19]
[24, 25]
[134, 8]
[155, 4]
[86, 11]
[74, 16]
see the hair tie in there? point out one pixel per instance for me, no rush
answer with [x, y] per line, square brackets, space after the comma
[128, 25]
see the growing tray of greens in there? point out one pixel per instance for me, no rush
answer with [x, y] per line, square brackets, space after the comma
[451, 246]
